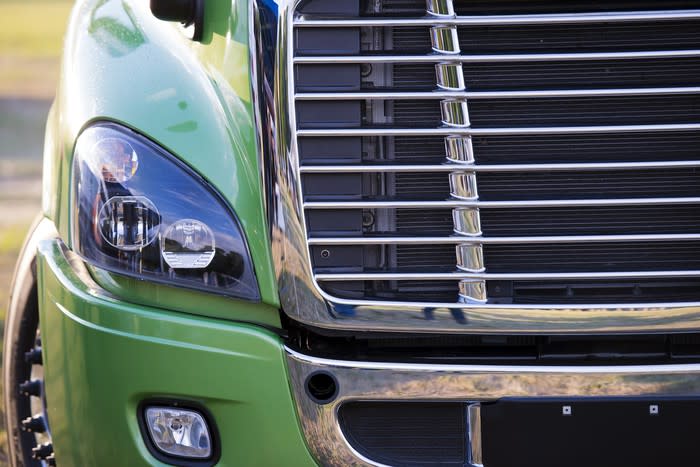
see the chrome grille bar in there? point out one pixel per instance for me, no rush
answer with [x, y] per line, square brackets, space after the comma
[388, 240]
[488, 20]
[461, 275]
[453, 203]
[384, 95]
[444, 131]
[451, 167]
[437, 58]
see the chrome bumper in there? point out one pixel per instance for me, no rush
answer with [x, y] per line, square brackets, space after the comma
[469, 383]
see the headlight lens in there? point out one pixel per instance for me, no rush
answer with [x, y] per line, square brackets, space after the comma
[139, 211]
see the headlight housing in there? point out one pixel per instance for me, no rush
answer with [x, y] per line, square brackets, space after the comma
[139, 211]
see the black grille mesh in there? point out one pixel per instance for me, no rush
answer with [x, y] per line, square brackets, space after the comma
[425, 434]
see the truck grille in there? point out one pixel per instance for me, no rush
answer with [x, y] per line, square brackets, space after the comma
[509, 151]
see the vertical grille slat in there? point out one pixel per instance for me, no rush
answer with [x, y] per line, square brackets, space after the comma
[413, 128]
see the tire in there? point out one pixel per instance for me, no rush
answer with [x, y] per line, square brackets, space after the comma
[29, 440]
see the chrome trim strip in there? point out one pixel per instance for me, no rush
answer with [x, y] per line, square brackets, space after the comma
[472, 292]
[440, 8]
[257, 80]
[448, 131]
[459, 149]
[466, 223]
[473, 229]
[485, 318]
[436, 58]
[379, 381]
[272, 30]
[470, 257]
[487, 20]
[455, 94]
[450, 78]
[510, 276]
[650, 373]
[444, 39]
[454, 113]
[450, 203]
[450, 167]
[474, 458]
[463, 185]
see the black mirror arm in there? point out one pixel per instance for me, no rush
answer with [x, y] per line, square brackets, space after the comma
[187, 12]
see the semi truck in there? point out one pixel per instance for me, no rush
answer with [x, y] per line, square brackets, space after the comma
[365, 232]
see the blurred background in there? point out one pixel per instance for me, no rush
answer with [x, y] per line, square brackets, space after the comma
[31, 36]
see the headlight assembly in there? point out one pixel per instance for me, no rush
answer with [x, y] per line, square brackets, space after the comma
[139, 211]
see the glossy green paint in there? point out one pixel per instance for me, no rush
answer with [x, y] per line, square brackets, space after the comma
[123, 65]
[185, 300]
[102, 357]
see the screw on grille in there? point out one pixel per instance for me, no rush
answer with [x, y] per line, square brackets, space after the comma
[367, 219]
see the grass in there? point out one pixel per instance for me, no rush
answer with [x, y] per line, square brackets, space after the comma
[31, 39]
[33, 28]
[22, 122]
[12, 235]
[11, 239]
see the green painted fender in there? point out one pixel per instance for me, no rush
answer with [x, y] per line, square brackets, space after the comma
[122, 64]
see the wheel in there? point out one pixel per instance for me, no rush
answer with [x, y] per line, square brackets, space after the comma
[26, 417]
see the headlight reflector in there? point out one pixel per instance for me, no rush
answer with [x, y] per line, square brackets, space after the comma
[188, 244]
[139, 211]
[128, 223]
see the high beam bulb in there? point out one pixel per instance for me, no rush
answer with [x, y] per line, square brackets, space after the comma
[129, 223]
[188, 244]
[117, 161]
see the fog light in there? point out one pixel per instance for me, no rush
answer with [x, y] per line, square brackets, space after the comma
[179, 432]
